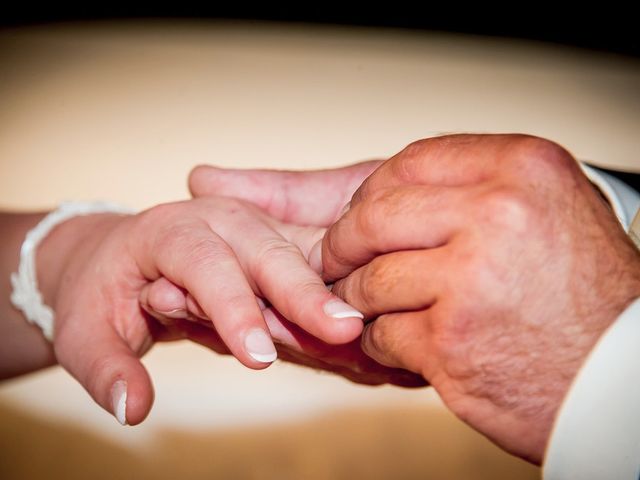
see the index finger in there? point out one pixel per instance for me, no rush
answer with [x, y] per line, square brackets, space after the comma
[404, 218]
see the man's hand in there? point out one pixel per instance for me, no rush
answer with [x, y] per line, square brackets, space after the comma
[302, 198]
[491, 266]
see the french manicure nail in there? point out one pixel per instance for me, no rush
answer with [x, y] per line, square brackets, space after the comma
[178, 313]
[259, 345]
[261, 304]
[338, 309]
[119, 401]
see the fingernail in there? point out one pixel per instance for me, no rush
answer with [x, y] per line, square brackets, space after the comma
[338, 309]
[261, 304]
[119, 401]
[259, 345]
[315, 257]
[177, 313]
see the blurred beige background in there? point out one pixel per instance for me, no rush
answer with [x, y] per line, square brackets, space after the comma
[123, 111]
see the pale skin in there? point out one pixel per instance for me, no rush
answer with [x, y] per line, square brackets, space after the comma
[226, 254]
[486, 263]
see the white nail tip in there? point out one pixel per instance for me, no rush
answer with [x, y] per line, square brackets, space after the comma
[260, 346]
[264, 358]
[348, 314]
[339, 309]
[119, 401]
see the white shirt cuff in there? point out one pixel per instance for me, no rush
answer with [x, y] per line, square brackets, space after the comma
[597, 431]
[624, 200]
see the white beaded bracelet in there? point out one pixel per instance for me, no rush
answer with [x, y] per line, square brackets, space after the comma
[26, 296]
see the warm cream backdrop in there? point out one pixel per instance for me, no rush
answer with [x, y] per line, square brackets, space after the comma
[123, 111]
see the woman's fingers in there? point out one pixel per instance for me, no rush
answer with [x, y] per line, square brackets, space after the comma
[304, 238]
[281, 273]
[223, 277]
[195, 258]
[294, 344]
[164, 301]
[285, 278]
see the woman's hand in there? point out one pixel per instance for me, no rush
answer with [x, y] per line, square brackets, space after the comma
[223, 252]
[305, 198]
[294, 345]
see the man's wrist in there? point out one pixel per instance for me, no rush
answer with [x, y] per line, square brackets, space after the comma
[597, 430]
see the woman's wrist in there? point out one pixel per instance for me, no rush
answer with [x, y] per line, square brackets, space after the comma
[67, 244]
[23, 347]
